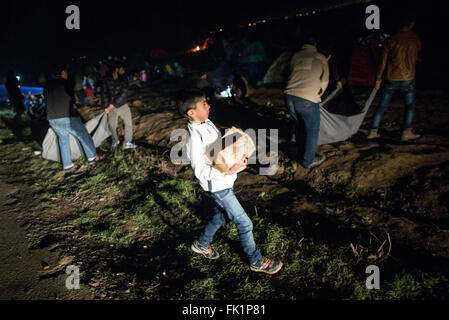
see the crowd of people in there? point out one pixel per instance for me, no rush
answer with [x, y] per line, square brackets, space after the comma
[309, 79]
[35, 105]
[240, 63]
[88, 78]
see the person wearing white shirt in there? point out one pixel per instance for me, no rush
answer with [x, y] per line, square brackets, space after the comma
[202, 134]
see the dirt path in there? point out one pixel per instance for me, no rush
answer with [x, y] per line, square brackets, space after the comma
[22, 274]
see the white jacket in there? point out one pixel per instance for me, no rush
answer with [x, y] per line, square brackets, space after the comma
[201, 136]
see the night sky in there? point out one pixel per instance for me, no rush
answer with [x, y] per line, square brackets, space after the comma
[37, 29]
[33, 32]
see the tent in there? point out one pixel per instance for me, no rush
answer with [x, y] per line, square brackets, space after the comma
[363, 65]
[279, 69]
[98, 126]
[336, 127]
[365, 58]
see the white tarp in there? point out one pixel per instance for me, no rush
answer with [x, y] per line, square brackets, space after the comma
[99, 127]
[336, 127]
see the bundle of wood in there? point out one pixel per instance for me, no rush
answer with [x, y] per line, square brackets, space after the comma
[229, 149]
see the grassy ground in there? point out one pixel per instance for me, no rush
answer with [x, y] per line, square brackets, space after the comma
[129, 222]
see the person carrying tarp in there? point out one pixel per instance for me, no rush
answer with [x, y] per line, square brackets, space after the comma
[399, 58]
[17, 100]
[339, 54]
[114, 98]
[308, 80]
[59, 99]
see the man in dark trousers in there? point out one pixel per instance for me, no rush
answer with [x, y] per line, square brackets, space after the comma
[398, 59]
[114, 97]
[59, 99]
[308, 80]
[17, 100]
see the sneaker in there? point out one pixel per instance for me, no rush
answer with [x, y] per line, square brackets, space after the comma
[72, 169]
[129, 145]
[114, 144]
[71, 172]
[267, 265]
[409, 135]
[316, 162]
[207, 252]
[95, 160]
[373, 134]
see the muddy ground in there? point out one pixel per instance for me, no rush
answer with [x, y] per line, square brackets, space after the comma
[382, 202]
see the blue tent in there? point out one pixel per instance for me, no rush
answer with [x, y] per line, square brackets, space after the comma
[25, 91]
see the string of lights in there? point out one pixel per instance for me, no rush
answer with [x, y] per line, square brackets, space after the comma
[305, 12]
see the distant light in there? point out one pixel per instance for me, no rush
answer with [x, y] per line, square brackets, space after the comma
[197, 48]
[286, 17]
[158, 70]
[313, 12]
[307, 13]
[221, 30]
[18, 78]
[263, 21]
[249, 24]
[300, 14]
[226, 93]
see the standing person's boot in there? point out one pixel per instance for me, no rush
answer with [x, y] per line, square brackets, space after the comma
[373, 134]
[408, 134]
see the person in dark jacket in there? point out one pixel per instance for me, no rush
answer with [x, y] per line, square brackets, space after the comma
[114, 97]
[79, 90]
[252, 60]
[59, 99]
[17, 99]
[339, 55]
